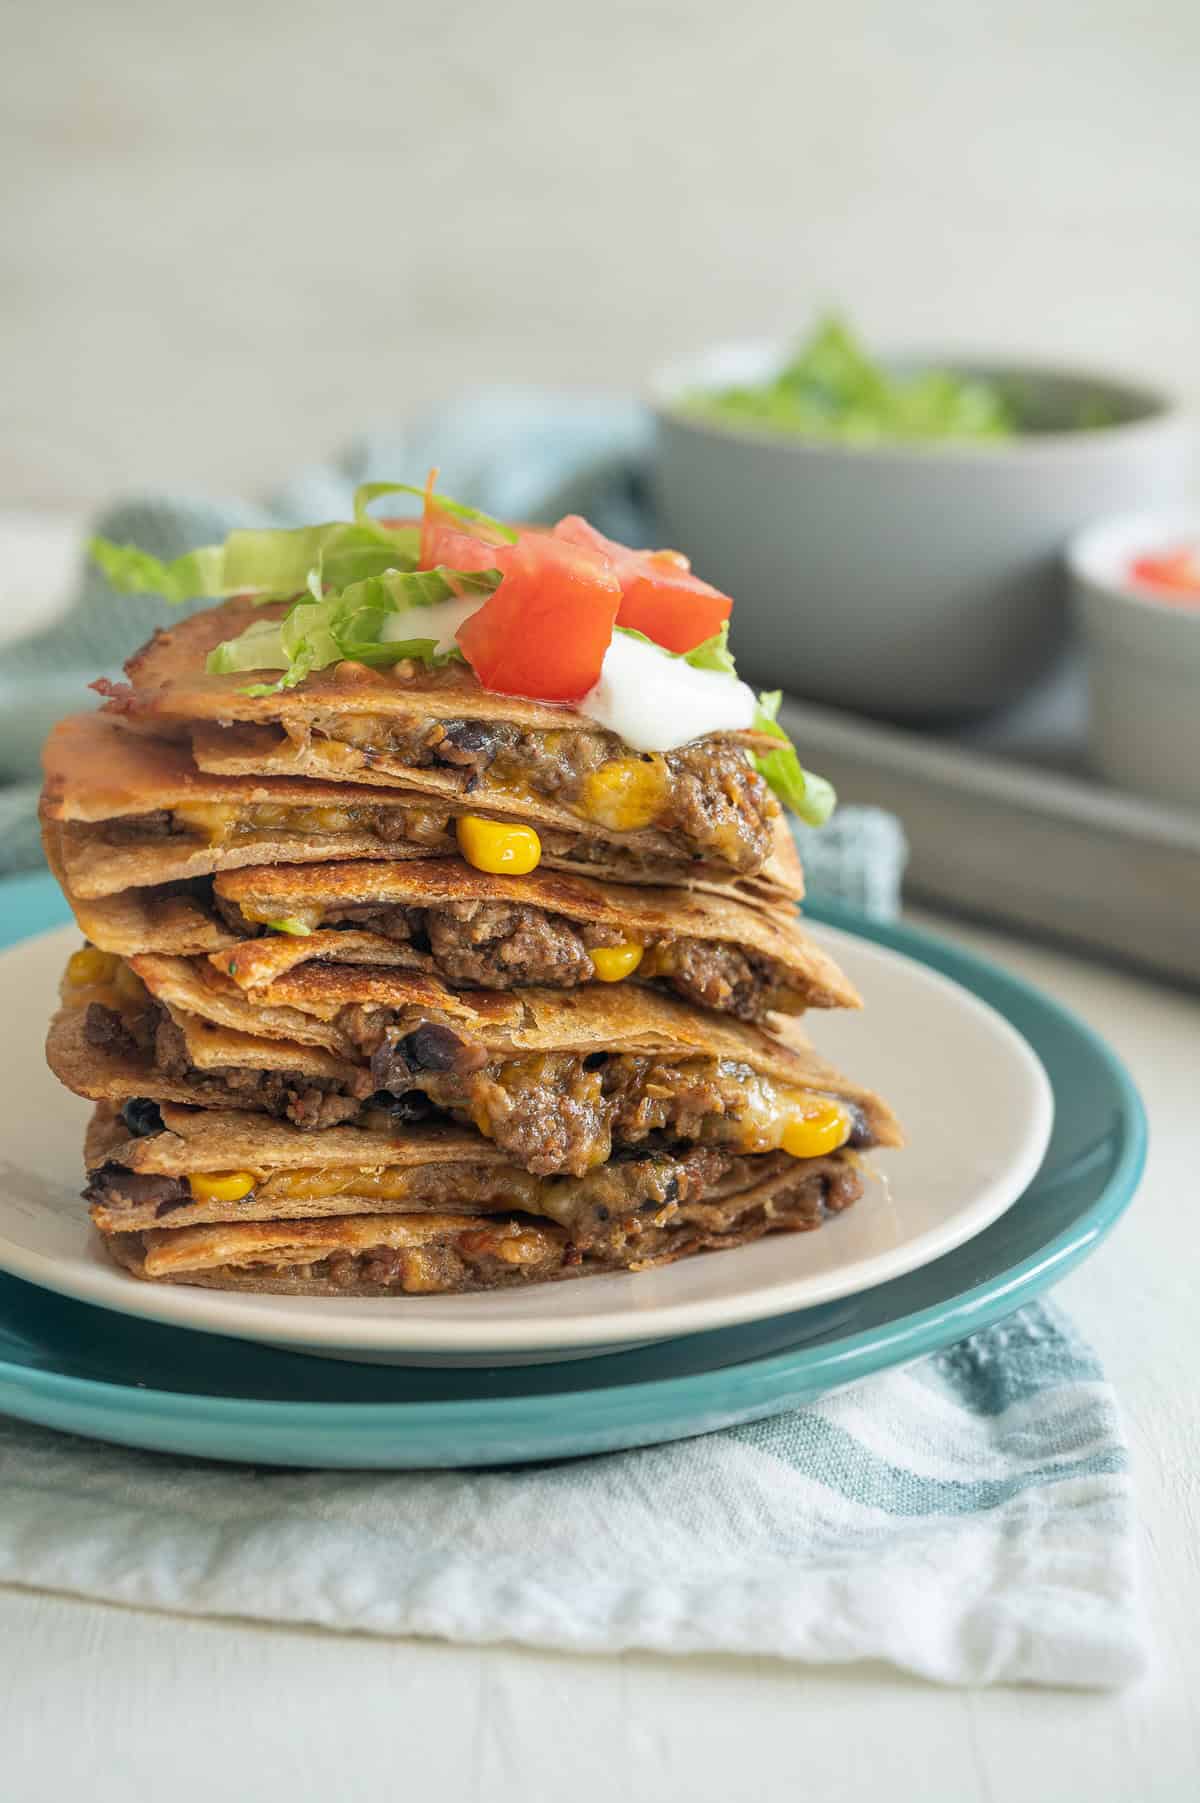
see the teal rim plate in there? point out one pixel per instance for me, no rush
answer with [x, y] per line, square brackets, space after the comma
[89, 1371]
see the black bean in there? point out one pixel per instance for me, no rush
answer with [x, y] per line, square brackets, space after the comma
[473, 742]
[142, 1117]
[430, 1047]
[860, 1133]
[390, 1069]
[402, 1110]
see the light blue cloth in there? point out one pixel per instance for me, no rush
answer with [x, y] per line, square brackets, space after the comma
[969, 1519]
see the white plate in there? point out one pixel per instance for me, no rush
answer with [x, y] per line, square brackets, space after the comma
[973, 1097]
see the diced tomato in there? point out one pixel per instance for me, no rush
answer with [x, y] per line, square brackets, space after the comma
[545, 630]
[449, 543]
[659, 594]
[1177, 571]
[447, 539]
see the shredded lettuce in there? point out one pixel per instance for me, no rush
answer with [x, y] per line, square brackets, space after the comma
[134, 572]
[832, 387]
[483, 525]
[714, 653]
[343, 579]
[272, 564]
[290, 923]
[802, 790]
[330, 628]
[268, 565]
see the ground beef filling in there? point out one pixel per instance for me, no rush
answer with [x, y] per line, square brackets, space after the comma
[507, 945]
[306, 1100]
[521, 1251]
[564, 1111]
[114, 1185]
[709, 797]
[553, 1113]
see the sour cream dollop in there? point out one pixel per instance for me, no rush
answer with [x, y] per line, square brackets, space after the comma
[656, 702]
[440, 621]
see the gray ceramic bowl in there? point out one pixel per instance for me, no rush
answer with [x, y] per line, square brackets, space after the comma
[911, 581]
[1143, 654]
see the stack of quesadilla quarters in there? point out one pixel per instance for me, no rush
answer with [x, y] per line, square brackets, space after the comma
[392, 985]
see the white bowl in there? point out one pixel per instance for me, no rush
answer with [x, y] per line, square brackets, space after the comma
[913, 581]
[1143, 657]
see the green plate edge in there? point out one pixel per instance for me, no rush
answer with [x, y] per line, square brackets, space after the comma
[589, 1408]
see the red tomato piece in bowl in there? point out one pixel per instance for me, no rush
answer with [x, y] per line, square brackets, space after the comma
[545, 630]
[1175, 572]
[659, 594]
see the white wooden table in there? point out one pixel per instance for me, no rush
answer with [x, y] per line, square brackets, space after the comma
[118, 1706]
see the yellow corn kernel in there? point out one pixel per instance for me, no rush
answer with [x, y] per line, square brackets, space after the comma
[211, 820]
[523, 1249]
[822, 1126]
[330, 820]
[501, 850]
[220, 1186]
[268, 814]
[625, 794]
[612, 962]
[90, 966]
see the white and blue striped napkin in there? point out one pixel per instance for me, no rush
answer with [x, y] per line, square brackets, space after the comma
[968, 1519]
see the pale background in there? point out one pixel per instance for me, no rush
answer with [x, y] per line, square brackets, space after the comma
[232, 235]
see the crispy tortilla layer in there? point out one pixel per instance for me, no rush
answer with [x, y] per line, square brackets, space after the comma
[440, 732]
[424, 1254]
[477, 930]
[159, 1178]
[551, 1112]
[129, 810]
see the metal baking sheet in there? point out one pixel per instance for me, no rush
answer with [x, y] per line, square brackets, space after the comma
[1006, 822]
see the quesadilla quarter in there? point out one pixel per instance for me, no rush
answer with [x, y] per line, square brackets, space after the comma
[476, 929]
[193, 1197]
[439, 733]
[557, 1080]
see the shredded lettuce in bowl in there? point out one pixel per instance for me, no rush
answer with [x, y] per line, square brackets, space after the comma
[833, 388]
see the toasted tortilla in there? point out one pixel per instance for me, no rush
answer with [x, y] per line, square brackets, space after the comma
[226, 1257]
[450, 1251]
[641, 914]
[429, 1170]
[290, 733]
[98, 771]
[108, 1074]
[168, 683]
[635, 857]
[277, 1257]
[198, 1140]
[163, 918]
[304, 1006]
